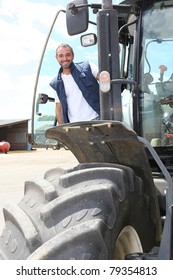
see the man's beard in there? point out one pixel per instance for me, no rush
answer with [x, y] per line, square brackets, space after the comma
[66, 65]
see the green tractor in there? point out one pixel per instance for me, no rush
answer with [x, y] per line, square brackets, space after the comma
[117, 202]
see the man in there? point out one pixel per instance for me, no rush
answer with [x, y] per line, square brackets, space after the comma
[77, 89]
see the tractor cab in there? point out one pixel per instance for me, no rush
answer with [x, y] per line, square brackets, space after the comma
[141, 78]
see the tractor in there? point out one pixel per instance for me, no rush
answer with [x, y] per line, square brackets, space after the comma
[117, 203]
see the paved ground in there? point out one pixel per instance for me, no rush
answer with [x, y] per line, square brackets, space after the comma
[18, 166]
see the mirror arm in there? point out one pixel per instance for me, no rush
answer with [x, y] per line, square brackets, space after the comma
[74, 8]
[51, 99]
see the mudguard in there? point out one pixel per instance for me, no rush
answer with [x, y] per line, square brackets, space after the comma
[111, 142]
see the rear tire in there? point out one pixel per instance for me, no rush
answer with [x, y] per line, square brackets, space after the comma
[82, 213]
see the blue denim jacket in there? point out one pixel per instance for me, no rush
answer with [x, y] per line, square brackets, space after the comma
[86, 82]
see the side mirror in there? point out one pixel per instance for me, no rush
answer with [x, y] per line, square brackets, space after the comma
[88, 39]
[77, 17]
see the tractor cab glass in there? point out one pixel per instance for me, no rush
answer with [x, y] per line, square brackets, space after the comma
[156, 74]
[150, 113]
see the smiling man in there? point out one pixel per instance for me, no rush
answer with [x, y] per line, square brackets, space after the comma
[76, 88]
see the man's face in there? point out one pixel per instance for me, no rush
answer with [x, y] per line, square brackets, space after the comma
[65, 57]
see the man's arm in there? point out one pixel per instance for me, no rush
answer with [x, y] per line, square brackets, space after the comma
[94, 70]
[97, 77]
[59, 113]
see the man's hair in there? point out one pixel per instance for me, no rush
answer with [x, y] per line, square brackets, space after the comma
[64, 46]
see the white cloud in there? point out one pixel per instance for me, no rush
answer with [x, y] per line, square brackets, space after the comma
[23, 30]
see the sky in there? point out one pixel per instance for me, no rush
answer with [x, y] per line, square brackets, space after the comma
[24, 25]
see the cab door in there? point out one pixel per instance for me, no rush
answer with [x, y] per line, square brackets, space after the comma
[43, 111]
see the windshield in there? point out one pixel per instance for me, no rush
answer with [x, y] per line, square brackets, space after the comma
[156, 74]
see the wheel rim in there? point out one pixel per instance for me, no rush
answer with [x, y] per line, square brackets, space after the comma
[128, 242]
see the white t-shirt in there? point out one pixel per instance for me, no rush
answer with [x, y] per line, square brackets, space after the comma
[78, 107]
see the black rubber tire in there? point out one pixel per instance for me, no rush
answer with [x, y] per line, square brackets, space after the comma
[77, 214]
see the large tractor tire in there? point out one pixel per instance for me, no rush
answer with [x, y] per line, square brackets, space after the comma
[93, 211]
